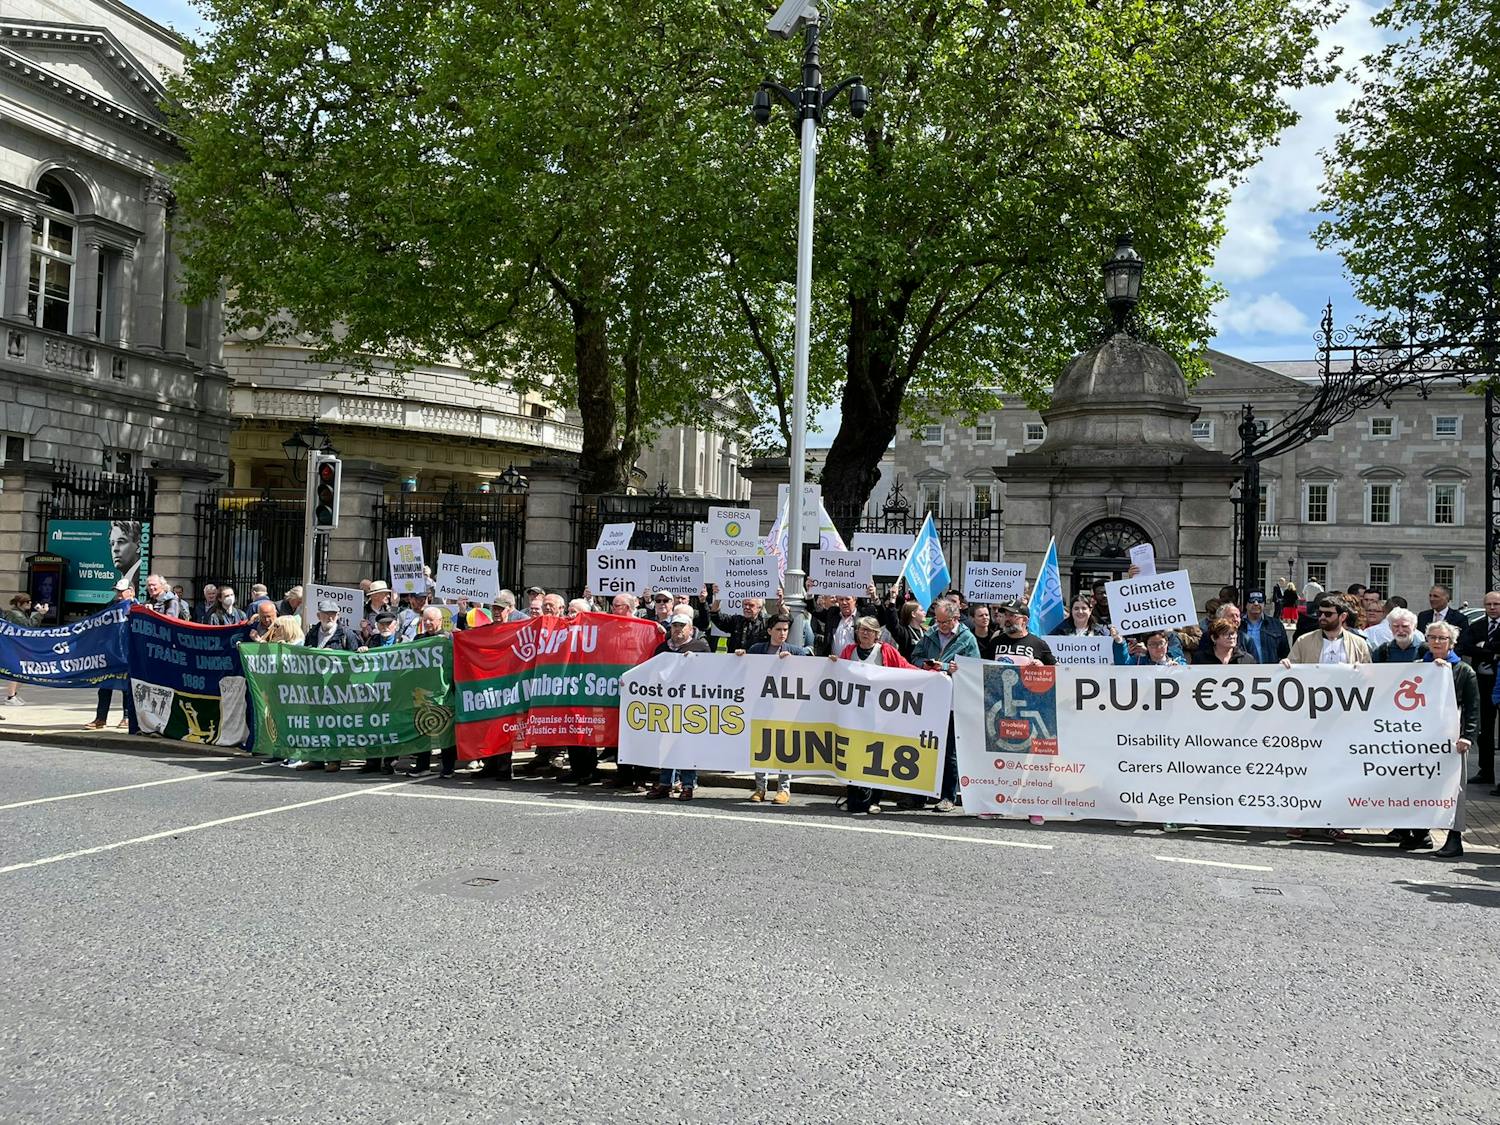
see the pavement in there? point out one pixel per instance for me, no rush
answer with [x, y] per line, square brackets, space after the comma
[193, 936]
[58, 716]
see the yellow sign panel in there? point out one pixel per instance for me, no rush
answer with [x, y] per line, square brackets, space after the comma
[859, 757]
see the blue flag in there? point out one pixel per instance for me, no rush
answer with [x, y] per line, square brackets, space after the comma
[1046, 610]
[926, 570]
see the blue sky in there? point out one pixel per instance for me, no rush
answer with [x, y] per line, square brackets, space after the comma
[1277, 280]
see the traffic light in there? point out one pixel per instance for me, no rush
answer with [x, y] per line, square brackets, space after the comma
[327, 472]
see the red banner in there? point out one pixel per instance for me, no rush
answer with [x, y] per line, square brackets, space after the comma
[550, 681]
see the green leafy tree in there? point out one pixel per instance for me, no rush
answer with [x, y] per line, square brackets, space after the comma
[961, 224]
[1412, 184]
[510, 186]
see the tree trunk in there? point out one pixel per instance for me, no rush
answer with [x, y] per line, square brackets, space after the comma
[874, 385]
[600, 461]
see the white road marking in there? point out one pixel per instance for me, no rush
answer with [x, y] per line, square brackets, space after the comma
[768, 820]
[1213, 863]
[185, 829]
[122, 788]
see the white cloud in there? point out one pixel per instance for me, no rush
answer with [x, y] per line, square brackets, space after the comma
[1270, 314]
[1284, 186]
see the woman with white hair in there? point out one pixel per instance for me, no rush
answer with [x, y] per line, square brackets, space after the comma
[1404, 647]
[1441, 638]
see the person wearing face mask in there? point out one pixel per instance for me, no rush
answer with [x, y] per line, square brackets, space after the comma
[226, 612]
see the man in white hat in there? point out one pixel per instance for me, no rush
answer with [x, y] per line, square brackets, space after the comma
[377, 601]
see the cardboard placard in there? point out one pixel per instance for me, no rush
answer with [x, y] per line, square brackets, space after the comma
[988, 583]
[616, 572]
[887, 552]
[615, 537]
[351, 603]
[738, 577]
[407, 575]
[1143, 605]
[839, 574]
[460, 578]
[678, 571]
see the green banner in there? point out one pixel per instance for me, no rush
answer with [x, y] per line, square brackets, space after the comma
[322, 705]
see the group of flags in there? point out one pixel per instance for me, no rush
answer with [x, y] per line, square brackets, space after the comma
[925, 571]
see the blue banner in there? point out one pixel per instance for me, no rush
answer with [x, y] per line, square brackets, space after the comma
[86, 654]
[187, 680]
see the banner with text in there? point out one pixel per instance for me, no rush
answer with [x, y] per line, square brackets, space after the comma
[1315, 746]
[1144, 605]
[323, 705]
[881, 727]
[187, 681]
[990, 583]
[549, 681]
[461, 578]
[1082, 650]
[839, 574]
[91, 653]
[738, 578]
[678, 571]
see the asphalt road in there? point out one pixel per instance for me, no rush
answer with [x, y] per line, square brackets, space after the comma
[211, 942]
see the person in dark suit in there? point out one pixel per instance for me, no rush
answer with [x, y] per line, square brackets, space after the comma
[1480, 646]
[1438, 598]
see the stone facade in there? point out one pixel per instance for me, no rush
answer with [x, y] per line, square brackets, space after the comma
[103, 363]
[1393, 498]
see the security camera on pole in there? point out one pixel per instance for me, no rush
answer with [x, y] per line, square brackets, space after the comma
[807, 103]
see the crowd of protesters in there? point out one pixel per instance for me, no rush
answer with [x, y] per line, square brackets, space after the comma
[1360, 625]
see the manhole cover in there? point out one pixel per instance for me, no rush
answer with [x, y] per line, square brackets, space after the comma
[1300, 893]
[483, 885]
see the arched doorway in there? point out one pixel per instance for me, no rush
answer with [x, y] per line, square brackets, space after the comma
[1102, 551]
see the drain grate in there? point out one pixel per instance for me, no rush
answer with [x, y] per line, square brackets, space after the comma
[484, 885]
[1299, 894]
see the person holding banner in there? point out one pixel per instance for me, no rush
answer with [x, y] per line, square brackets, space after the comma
[124, 592]
[938, 650]
[1223, 646]
[681, 640]
[21, 613]
[868, 648]
[776, 644]
[1441, 638]
[1331, 642]
[1019, 644]
[1155, 650]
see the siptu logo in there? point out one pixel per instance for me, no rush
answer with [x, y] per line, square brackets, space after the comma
[1407, 697]
[524, 646]
[62, 648]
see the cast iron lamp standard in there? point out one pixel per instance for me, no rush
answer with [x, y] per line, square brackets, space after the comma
[807, 103]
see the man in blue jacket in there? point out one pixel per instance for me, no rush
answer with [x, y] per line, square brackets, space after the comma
[947, 640]
[1262, 637]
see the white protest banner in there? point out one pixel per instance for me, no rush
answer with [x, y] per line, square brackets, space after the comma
[1143, 605]
[737, 577]
[732, 531]
[351, 603]
[407, 576]
[615, 537]
[839, 574]
[988, 583]
[887, 552]
[460, 578]
[812, 503]
[1082, 650]
[678, 571]
[484, 550]
[868, 725]
[1313, 746]
[616, 572]
[1143, 558]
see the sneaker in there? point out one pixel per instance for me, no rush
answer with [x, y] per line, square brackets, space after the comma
[15, 701]
[873, 810]
[1038, 819]
[758, 795]
[944, 805]
[782, 797]
[1169, 827]
[658, 792]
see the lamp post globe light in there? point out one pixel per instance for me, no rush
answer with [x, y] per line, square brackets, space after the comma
[807, 103]
[1122, 279]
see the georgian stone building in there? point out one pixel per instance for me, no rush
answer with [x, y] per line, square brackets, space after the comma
[104, 366]
[1393, 498]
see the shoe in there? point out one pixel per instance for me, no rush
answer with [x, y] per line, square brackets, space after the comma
[758, 796]
[1396, 835]
[1171, 827]
[686, 794]
[388, 768]
[584, 779]
[783, 797]
[122, 724]
[95, 725]
[372, 766]
[658, 792]
[535, 766]
[304, 766]
[944, 805]
[1336, 834]
[1452, 848]
[1482, 779]
[873, 810]
[15, 701]
[1038, 819]
[1495, 792]
[446, 773]
[1416, 842]
[415, 772]
[331, 767]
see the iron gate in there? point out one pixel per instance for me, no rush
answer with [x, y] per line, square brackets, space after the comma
[444, 521]
[245, 537]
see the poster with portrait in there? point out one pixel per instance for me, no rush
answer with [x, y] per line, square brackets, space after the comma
[99, 554]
